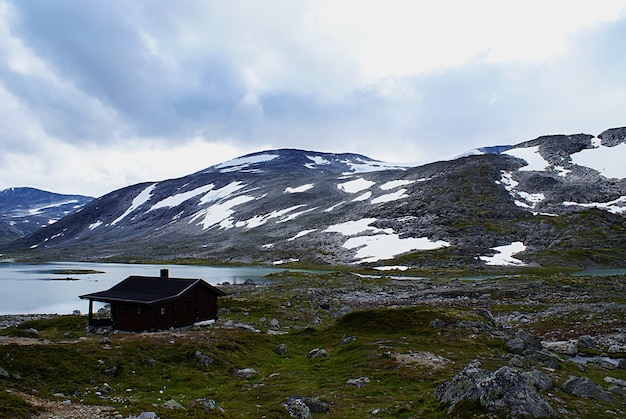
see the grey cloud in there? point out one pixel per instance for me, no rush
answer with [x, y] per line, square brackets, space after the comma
[114, 86]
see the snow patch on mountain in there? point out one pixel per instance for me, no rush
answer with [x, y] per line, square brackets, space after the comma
[392, 184]
[175, 200]
[609, 161]
[617, 206]
[220, 213]
[95, 225]
[504, 255]
[301, 234]
[521, 198]
[355, 185]
[383, 244]
[139, 200]
[244, 162]
[317, 160]
[217, 194]
[330, 209]
[299, 189]
[387, 246]
[360, 165]
[363, 197]
[259, 220]
[39, 210]
[534, 160]
[295, 215]
[353, 227]
[394, 196]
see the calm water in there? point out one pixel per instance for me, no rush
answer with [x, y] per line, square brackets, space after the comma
[35, 288]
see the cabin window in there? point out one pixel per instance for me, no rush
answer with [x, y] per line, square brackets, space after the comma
[186, 307]
[138, 311]
[163, 311]
[120, 309]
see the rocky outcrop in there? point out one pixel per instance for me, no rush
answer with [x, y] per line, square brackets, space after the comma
[508, 391]
[612, 137]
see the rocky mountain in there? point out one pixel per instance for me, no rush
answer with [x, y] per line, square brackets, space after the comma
[25, 210]
[555, 200]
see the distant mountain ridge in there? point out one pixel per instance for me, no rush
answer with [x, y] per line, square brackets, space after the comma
[541, 202]
[25, 210]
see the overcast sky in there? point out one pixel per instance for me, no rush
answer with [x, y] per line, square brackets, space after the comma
[95, 96]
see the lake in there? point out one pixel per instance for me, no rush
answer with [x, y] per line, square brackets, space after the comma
[39, 288]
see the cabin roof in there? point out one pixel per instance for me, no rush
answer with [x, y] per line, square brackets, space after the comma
[149, 290]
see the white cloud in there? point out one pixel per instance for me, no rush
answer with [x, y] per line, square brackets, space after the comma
[195, 83]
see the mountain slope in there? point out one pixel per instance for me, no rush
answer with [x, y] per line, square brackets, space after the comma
[25, 210]
[537, 198]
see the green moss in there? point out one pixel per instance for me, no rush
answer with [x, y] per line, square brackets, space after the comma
[57, 327]
[13, 407]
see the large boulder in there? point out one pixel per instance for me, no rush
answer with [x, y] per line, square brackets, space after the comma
[585, 388]
[506, 391]
[298, 409]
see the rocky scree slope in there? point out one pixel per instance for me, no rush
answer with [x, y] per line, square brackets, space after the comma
[25, 210]
[555, 200]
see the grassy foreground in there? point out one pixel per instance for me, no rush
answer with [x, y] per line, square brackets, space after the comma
[378, 361]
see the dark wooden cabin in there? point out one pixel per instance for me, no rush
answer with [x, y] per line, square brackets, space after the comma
[141, 303]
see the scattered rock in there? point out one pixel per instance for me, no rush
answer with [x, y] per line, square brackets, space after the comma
[112, 371]
[324, 305]
[172, 404]
[562, 347]
[517, 361]
[538, 379]
[245, 373]
[358, 382]
[274, 323]
[208, 405]
[105, 389]
[4, 373]
[437, 324]
[317, 353]
[586, 342]
[545, 357]
[280, 349]
[347, 340]
[585, 388]
[298, 409]
[615, 349]
[147, 415]
[314, 404]
[524, 342]
[420, 359]
[203, 360]
[33, 333]
[515, 345]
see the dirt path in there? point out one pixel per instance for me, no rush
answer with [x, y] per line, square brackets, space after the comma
[63, 409]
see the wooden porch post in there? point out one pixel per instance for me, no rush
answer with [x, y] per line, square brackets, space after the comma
[90, 312]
